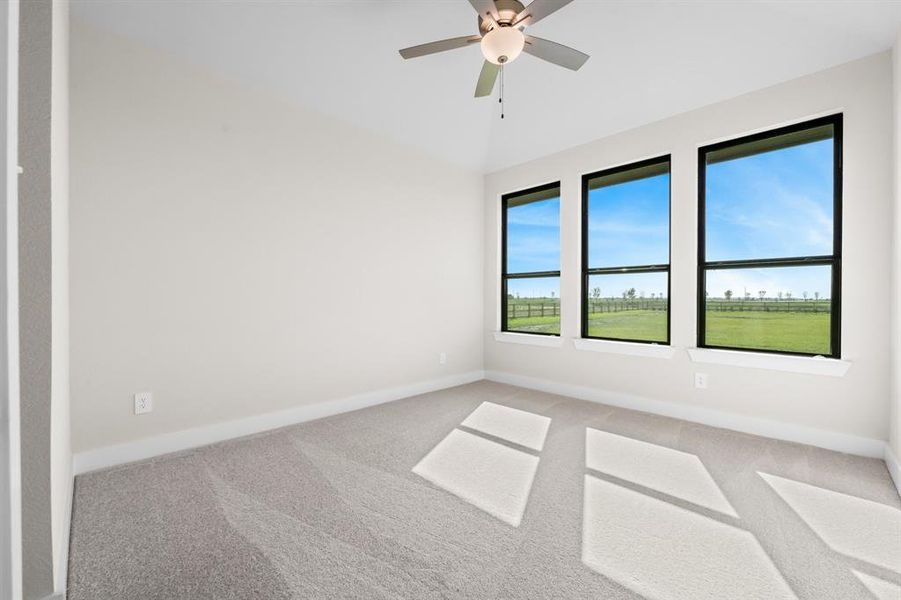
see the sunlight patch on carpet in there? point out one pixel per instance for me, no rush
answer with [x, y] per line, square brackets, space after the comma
[880, 588]
[518, 426]
[665, 552]
[490, 476]
[863, 529]
[679, 474]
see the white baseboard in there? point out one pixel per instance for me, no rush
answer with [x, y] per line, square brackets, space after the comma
[61, 573]
[894, 467]
[109, 456]
[841, 442]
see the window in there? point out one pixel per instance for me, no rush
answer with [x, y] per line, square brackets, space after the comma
[530, 264]
[626, 252]
[769, 243]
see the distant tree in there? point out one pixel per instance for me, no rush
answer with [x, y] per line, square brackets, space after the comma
[630, 293]
[728, 294]
[788, 295]
[596, 293]
[510, 296]
[816, 295]
[747, 295]
[552, 295]
[762, 294]
[804, 294]
[780, 295]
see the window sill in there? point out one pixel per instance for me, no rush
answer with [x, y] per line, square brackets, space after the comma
[507, 337]
[629, 348]
[810, 365]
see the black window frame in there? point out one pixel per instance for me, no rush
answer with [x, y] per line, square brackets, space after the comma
[505, 200]
[834, 260]
[587, 272]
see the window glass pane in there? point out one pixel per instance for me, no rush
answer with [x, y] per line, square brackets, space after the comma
[533, 236]
[533, 305]
[628, 222]
[777, 203]
[628, 306]
[787, 309]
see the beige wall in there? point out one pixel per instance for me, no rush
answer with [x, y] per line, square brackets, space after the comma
[236, 255]
[855, 404]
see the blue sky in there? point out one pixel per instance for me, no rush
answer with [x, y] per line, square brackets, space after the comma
[533, 244]
[533, 237]
[770, 205]
[628, 224]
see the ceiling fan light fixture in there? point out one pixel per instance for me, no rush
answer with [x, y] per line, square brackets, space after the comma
[502, 45]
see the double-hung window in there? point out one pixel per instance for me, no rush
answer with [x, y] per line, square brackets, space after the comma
[626, 252]
[769, 243]
[530, 261]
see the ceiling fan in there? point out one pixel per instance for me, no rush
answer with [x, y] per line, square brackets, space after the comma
[502, 40]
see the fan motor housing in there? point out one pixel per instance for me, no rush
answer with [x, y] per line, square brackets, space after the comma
[506, 12]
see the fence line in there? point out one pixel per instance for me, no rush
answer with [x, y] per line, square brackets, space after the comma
[528, 309]
[517, 309]
[794, 306]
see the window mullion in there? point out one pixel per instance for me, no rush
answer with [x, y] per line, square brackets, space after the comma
[795, 261]
[634, 269]
[532, 274]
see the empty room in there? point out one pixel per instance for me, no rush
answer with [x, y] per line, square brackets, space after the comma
[459, 299]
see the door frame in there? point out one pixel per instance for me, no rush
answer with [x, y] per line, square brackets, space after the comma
[10, 459]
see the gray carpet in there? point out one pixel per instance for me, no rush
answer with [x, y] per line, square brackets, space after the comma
[568, 499]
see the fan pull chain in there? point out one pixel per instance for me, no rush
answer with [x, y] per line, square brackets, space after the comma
[501, 98]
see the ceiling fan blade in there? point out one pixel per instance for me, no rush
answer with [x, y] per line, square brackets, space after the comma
[537, 10]
[484, 7]
[486, 79]
[555, 53]
[439, 46]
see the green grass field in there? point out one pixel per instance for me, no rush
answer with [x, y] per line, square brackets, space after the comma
[644, 325]
[535, 324]
[786, 331]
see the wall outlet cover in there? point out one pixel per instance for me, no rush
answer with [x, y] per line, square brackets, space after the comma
[143, 402]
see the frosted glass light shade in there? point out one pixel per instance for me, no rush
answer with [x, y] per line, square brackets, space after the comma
[502, 45]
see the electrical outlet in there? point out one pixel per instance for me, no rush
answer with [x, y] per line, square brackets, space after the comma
[442, 358]
[701, 380]
[143, 402]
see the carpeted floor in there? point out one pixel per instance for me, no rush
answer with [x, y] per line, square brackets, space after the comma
[490, 491]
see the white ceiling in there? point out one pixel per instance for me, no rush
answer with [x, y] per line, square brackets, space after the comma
[649, 60]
